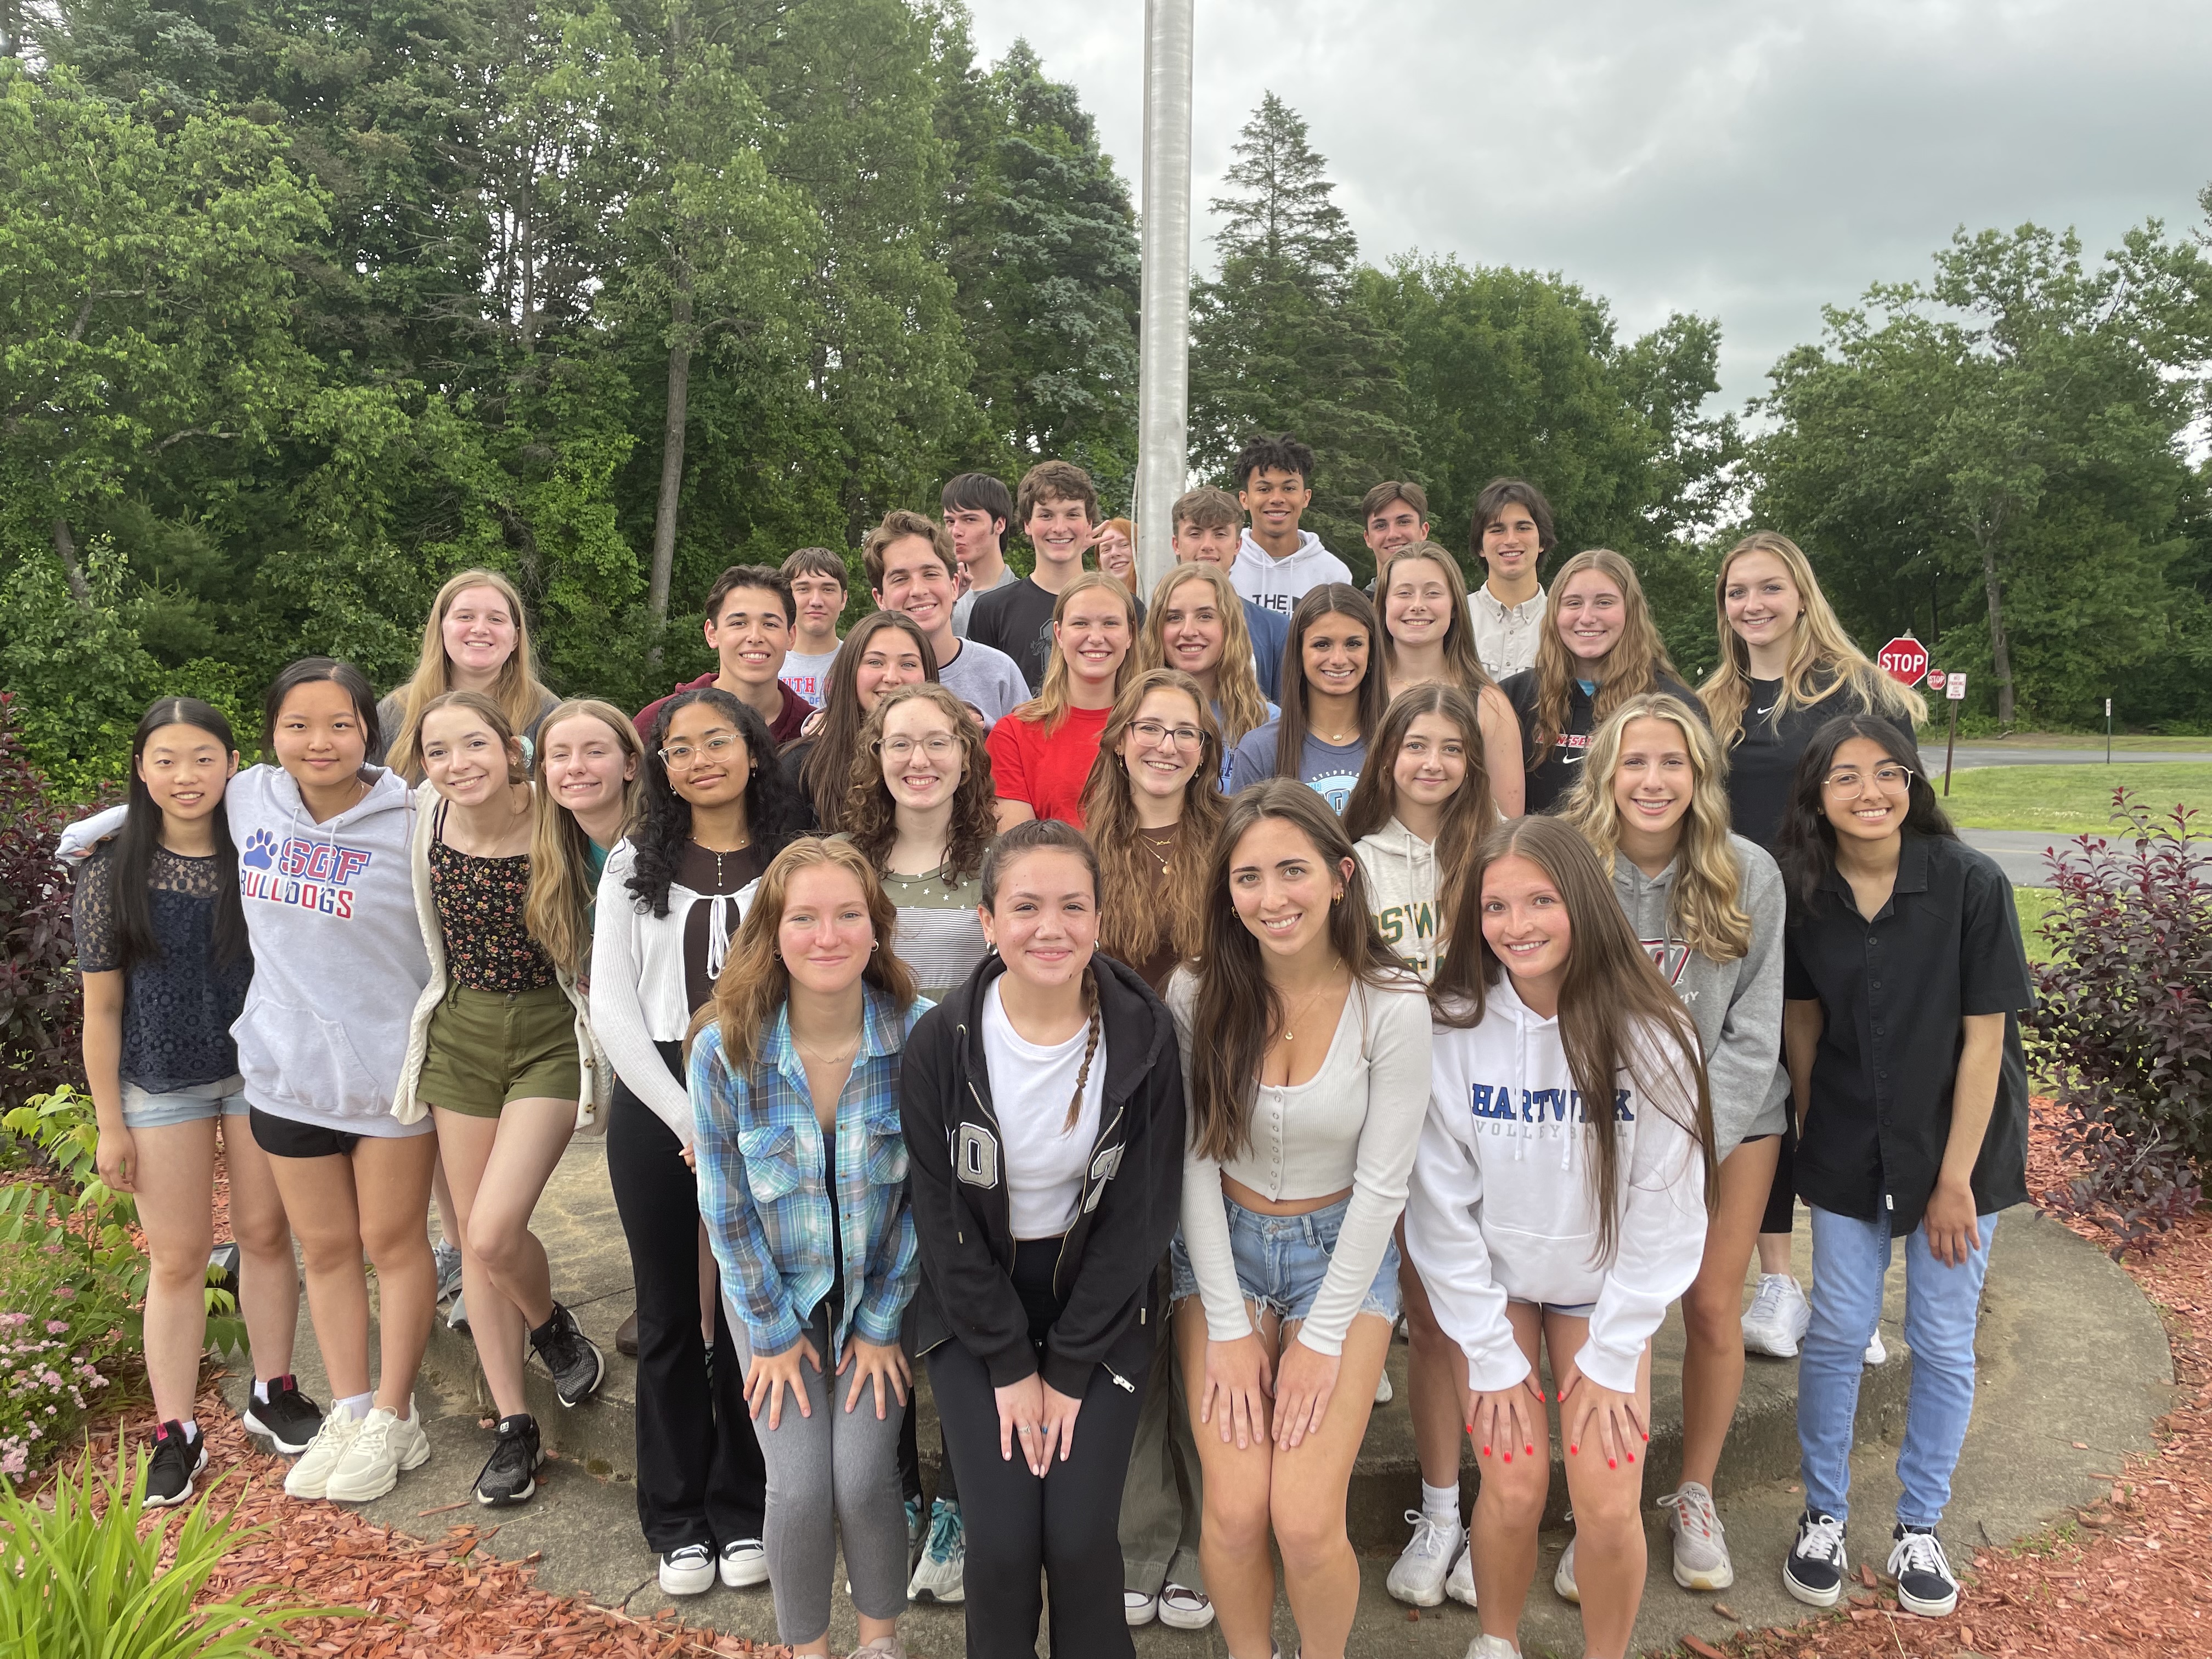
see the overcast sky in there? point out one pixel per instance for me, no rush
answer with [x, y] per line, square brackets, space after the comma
[1747, 160]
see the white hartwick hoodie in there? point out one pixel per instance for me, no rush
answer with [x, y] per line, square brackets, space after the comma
[1278, 584]
[1501, 1206]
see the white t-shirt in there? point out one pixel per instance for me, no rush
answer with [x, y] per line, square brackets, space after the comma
[1030, 1089]
[808, 677]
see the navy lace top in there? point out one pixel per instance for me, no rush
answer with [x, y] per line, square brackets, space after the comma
[179, 1006]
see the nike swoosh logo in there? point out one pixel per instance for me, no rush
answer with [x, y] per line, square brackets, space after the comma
[1570, 760]
[1768, 710]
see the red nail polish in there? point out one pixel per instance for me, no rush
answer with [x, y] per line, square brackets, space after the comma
[1632, 1457]
[1486, 1452]
[1508, 1457]
[1532, 1451]
[1574, 1451]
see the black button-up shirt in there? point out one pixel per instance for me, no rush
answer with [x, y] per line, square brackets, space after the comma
[1893, 990]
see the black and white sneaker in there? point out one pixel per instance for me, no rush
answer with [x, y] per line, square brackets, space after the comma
[288, 1418]
[176, 1459]
[1925, 1584]
[510, 1474]
[1815, 1570]
[576, 1366]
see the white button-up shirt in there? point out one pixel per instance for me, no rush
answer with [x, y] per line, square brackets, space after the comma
[1505, 636]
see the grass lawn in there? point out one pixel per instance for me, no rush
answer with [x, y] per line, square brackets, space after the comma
[2072, 800]
[2033, 903]
[2122, 742]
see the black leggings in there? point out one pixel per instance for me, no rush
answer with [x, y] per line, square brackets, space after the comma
[1067, 1524]
[1782, 1197]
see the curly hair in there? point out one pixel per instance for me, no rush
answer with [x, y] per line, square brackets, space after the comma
[871, 816]
[774, 814]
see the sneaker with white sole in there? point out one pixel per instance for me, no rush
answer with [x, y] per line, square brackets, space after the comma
[1418, 1576]
[1384, 1394]
[288, 1419]
[509, 1475]
[310, 1477]
[448, 1257]
[1875, 1354]
[688, 1571]
[1460, 1585]
[1701, 1557]
[1562, 1577]
[570, 1358]
[1925, 1583]
[1182, 1607]
[386, 1446]
[744, 1563]
[1138, 1609]
[1491, 1647]
[175, 1461]
[1816, 1567]
[940, 1574]
[1775, 1322]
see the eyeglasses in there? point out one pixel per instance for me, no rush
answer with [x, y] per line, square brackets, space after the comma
[1149, 733]
[678, 756]
[937, 746]
[1890, 779]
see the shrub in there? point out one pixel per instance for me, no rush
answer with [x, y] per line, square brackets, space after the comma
[42, 1013]
[2124, 1023]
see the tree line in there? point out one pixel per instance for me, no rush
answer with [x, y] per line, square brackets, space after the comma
[306, 307]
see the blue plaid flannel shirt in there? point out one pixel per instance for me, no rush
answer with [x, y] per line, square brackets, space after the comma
[763, 1196]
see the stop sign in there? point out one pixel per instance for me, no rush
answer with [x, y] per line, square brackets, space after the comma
[1904, 660]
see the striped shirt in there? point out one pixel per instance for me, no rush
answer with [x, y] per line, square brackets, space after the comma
[940, 937]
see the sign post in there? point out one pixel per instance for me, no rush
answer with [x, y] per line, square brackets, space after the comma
[1904, 660]
[1954, 689]
[2108, 730]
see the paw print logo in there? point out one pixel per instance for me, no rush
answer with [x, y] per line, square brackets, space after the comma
[260, 851]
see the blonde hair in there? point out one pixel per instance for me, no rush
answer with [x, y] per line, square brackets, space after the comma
[1818, 647]
[1704, 909]
[518, 690]
[1050, 707]
[1633, 666]
[561, 890]
[1460, 661]
[1243, 705]
[1139, 908]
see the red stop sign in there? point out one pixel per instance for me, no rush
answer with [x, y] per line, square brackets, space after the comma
[1904, 660]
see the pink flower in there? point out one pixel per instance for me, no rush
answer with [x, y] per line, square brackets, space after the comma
[57, 1327]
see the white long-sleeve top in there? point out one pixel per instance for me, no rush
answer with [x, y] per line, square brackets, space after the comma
[1502, 1207]
[638, 995]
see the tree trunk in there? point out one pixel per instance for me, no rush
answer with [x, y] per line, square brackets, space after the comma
[672, 462]
[1986, 536]
[72, 567]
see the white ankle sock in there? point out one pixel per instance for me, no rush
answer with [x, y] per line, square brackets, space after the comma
[191, 1432]
[1440, 1504]
[356, 1406]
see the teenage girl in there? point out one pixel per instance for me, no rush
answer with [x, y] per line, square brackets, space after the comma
[161, 950]
[1197, 625]
[1536, 1230]
[1117, 551]
[716, 809]
[1708, 907]
[1041, 753]
[1428, 636]
[1787, 668]
[1043, 1116]
[590, 779]
[1333, 700]
[1597, 650]
[500, 1058]
[1422, 802]
[794, 1081]
[1306, 1044]
[885, 649]
[1903, 981]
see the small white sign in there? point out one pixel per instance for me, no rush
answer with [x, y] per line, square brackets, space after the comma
[1954, 687]
[2108, 708]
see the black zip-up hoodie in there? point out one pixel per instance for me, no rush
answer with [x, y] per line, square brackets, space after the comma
[1132, 1191]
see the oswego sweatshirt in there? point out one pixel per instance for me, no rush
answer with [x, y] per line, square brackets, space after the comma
[1502, 1207]
[1402, 881]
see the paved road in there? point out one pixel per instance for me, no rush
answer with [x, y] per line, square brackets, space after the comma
[1977, 754]
[2019, 853]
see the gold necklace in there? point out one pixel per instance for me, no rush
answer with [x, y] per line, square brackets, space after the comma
[1307, 1001]
[1143, 841]
[827, 1060]
[744, 841]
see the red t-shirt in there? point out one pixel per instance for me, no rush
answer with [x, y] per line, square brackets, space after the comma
[783, 728]
[1047, 771]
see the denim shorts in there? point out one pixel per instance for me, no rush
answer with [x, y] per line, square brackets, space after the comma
[188, 1104]
[1281, 1260]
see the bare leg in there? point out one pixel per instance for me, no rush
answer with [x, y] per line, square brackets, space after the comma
[441, 1188]
[268, 1280]
[1509, 1508]
[1712, 1310]
[1610, 1554]
[393, 1180]
[1774, 1252]
[1433, 1367]
[319, 1203]
[1240, 1571]
[1309, 1485]
[175, 1170]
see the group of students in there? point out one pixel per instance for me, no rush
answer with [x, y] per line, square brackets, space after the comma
[1128, 1012]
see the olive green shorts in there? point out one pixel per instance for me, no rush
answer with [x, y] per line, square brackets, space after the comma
[488, 1049]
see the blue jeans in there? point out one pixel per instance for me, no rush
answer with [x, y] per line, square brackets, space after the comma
[1941, 1305]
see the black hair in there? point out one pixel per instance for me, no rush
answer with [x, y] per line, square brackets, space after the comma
[1281, 453]
[1498, 495]
[978, 492]
[133, 871]
[1805, 848]
[344, 674]
[1035, 835]
[776, 815]
[763, 577]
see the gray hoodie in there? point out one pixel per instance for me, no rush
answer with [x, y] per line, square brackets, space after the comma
[1402, 885]
[1278, 584]
[1737, 1004]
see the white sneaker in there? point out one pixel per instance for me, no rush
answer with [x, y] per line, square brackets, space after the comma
[1875, 1354]
[1491, 1647]
[1460, 1585]
[688, 1571]
[1701, 1557]
[310, 1476]
[744, 1563]
[1563, 1578]
[942, 1568]
[384, 1449]
[1417, 1577]
[1138, 1608]
[1182, 1607]
[1776, 1322]
[1384, 1394]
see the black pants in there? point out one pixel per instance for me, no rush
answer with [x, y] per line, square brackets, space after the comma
[1782, 1197]
[700, 1478]
[948, 1484]
[1067, 1524]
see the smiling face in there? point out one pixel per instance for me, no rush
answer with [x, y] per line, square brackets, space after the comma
[1760, 600]
[1865, 795]
[707, 761]
[1045, 922]
[1431, 762]
[826, 936]
[1524, 920]
[1214, 546]
[1060, 531]
[921, 756]
[1511, 542]
[463, 756]
[1162, 748]
[1094, 637]
[1392, 527]
[820, 600]
[1335, 653]
[1418, 607]
[1655, 777]
[750, 635]
[319, 738]
[889, 658]
[586, 768]
[916, 582]
[1591, 615]
[1191, 628]
[480, 633]
[184, 768]
[1283, 888]
[1115, 557]
[1274, 499]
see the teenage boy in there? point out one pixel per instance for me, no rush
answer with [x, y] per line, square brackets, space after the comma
[1206, 522]
[977, 510]
[1277, 562]
[910, 561]
[1059, 509]
[817, 588]
[1396, 515]
[1512, 532]
[749, 620]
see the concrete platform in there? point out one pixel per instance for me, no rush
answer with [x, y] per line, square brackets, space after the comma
[2075, 1367]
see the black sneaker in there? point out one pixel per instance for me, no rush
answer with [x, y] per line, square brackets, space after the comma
[1815, 1570]
[576, 1365]
[288, 1418]
[510, 1474]
[175, 1462]
[1924, 1582]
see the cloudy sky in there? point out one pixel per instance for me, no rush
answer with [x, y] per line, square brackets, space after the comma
[1739, 158]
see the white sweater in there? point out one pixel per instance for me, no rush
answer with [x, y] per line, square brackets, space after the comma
[638, 994]
[1501, 1207]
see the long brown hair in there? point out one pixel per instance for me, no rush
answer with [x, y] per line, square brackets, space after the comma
[1634, 665]
[826, 773]
[1243, 705]
[562, 889]
[1460, 662]
[518, 690]
[1329, 599]
[1611, 996]
[871, 816]
[1049, 708]
[1237, 1012]
[1467, 815]
[1139, 908]
[755, 983]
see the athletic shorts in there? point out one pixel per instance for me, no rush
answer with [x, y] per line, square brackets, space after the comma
[1281, 1260]
[489, 1048]
[284, 1137]
[187, 1103]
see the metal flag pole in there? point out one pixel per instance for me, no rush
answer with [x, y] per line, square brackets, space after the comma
[1163, 314]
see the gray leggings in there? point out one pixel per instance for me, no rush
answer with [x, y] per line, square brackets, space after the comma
[833, 1471]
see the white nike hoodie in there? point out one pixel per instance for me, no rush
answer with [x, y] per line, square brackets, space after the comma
[1501, 1206]
[1278, 584]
